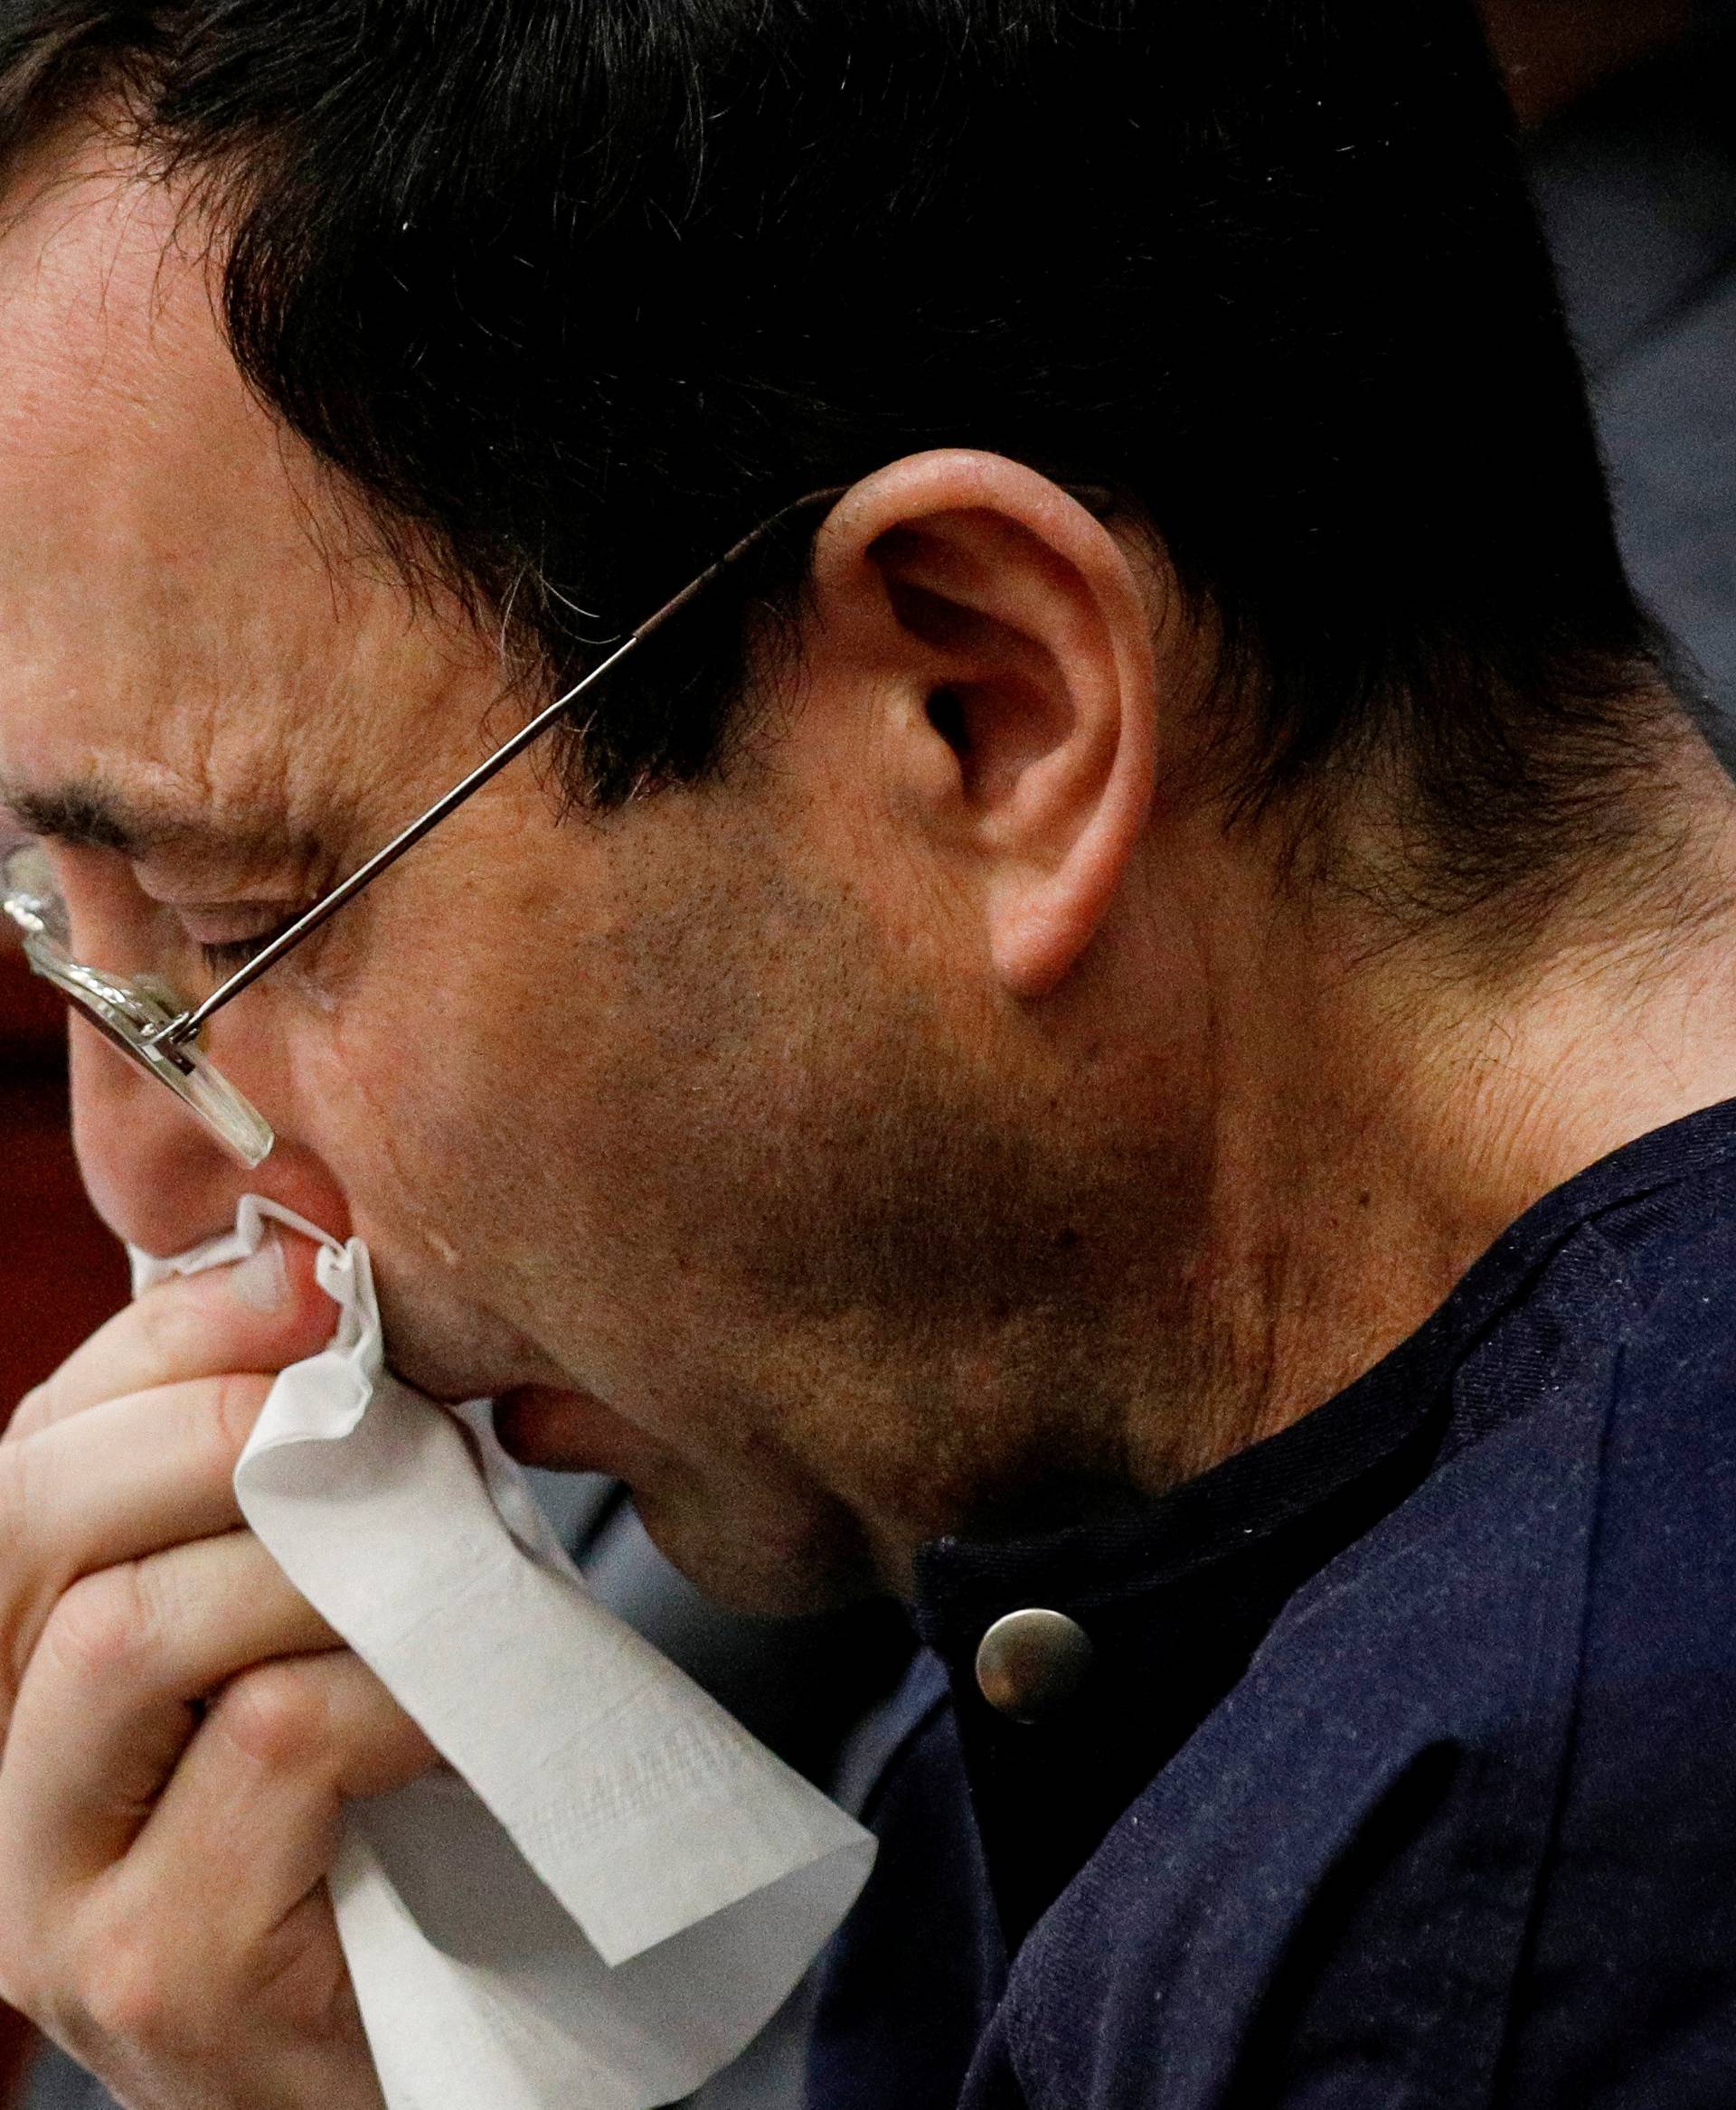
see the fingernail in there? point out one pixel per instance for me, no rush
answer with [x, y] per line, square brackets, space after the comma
[262, 1281]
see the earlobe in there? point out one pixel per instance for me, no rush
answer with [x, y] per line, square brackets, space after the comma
[1016, 620]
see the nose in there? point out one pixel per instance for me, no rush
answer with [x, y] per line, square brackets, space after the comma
[157, 1176]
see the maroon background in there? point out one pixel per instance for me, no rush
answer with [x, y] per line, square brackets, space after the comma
[63, 1272]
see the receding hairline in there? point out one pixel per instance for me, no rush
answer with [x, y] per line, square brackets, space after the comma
[1303, 696]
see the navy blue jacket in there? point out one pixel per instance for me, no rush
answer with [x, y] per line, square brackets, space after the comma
[1407, 1771]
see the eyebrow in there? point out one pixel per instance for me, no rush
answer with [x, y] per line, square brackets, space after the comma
[95, 816]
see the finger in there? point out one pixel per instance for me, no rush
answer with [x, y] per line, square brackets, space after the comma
[249, 1823]
[117, 1483]
[112, 1694]
[259, 1314]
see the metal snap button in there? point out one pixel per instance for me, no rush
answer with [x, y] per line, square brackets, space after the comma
[1031, 1663]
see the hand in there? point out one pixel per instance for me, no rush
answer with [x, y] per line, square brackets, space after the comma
[178, 1728]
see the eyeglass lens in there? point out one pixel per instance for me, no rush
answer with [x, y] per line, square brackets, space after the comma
[129, 1011]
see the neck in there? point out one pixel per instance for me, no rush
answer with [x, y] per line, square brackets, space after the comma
[1382, 1112]
[1260, 1135]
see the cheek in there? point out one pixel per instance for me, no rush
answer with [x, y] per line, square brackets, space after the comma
[374, 1093]
[451, 1112]
[532, 1111]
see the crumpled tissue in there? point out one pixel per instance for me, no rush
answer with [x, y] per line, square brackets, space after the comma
[615, 1886]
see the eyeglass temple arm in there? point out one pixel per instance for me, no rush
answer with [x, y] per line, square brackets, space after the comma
[187, 1025]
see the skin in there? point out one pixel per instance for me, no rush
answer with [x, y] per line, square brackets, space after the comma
[944, 1108]
[1554, 51]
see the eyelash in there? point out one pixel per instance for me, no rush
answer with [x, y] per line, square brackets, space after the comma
[232, 953]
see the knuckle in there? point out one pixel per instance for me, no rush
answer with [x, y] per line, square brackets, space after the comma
[35, 1410]
[168, 1328]
[235, 1401]
[20, 1476]
[126, 1993]
[30, 1578]
[104, 1626]
[277, 1715]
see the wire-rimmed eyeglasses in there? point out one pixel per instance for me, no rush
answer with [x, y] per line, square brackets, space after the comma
[140, 1014]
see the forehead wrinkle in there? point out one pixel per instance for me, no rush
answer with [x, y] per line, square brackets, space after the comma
[193, 677]
[242, 651]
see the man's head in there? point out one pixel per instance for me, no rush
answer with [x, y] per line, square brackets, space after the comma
[792, 1123]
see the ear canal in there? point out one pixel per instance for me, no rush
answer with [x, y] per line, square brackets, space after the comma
[947, 715]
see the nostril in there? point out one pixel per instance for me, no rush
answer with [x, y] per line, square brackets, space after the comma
[947, 715]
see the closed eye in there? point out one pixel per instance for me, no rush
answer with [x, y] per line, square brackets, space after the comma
[225, 956]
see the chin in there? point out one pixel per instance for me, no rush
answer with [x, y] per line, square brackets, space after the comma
[751, 1557]
[561, 1430]
[774, 1551]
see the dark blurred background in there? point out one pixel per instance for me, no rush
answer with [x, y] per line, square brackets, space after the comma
[1632, 145]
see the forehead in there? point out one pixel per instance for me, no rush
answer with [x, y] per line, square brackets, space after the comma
[177, 618]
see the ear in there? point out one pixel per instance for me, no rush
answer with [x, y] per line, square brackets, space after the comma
[1009, 639]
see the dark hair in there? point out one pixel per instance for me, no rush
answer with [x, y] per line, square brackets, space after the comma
[575, 291]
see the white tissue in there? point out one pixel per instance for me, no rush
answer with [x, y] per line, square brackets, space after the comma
[615, 1886]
